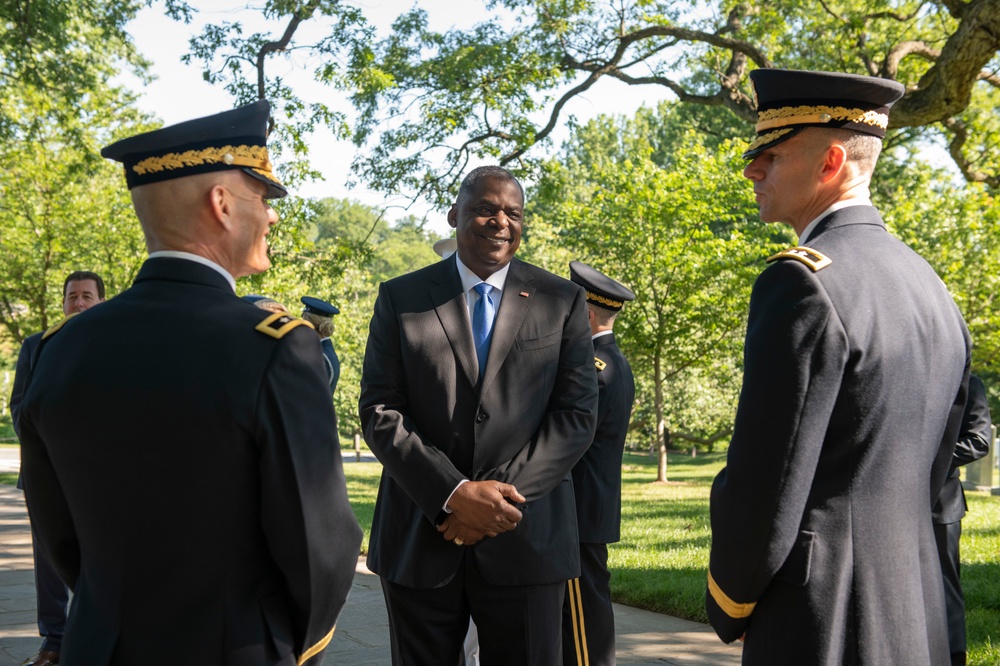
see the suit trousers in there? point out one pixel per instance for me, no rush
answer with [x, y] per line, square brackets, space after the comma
[517, 624]
[52, 597]
[947, 536]
[588, 619]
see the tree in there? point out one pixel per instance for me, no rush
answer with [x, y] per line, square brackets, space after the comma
[340, 252]
[493, 92]
[62, 208]
[680, 228]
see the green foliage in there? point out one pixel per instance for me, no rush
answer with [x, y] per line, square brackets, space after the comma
[62, 208]
[340, 250]
[957, 229]
[66, 51]
[491, 92]
[664, 210]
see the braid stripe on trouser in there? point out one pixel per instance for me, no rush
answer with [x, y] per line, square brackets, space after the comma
[579, 628]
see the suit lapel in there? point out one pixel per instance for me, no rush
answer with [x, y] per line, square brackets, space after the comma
[517, 297]
[453, 313]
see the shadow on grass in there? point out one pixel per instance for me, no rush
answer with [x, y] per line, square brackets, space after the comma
[677, 591]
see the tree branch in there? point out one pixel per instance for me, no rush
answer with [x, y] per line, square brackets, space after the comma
[960, 136]
[271, 47]
[945, 89]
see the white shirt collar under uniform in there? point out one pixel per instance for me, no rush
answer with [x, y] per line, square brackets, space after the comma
[198, 259]
[837, 205]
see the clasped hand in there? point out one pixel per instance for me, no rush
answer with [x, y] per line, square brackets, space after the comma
[481, 509]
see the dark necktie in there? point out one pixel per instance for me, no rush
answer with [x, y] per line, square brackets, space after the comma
[482, 323]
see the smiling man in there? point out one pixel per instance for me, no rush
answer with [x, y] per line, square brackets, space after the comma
[179, 444]
[478, 396]
[855, 377]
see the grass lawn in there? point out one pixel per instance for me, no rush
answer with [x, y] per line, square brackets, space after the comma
[661, 560]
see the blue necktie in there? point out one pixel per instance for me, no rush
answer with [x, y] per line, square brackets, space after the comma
[482, 323]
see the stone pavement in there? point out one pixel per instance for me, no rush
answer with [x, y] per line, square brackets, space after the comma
[644, 638]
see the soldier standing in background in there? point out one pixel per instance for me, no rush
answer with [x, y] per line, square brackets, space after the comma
[588, 618]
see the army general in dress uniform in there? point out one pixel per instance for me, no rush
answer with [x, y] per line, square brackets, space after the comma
[855, 378]
[179, 443]
[588, 618]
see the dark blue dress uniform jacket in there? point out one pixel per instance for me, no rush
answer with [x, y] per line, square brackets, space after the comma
[597, 478]
[186, 479]
[854, 385]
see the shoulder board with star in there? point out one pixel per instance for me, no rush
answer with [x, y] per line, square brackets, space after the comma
[279, 324]
[817, 261]
[52, 330]
[599, 364]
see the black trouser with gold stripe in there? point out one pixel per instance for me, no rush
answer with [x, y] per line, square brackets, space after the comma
[588, 621]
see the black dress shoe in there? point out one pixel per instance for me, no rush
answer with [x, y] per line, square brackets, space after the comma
[43, 658]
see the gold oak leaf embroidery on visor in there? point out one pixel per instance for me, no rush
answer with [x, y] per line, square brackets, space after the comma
[801, 115]
[254, 157]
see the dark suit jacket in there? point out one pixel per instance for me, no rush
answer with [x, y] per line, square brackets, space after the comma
[855, 380]
[186, 478]
[431, 423]
[597, 478]
[973, 443]
[21, 372]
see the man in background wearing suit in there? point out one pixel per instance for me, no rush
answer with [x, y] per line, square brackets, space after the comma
[478, 396]
[973, 443]
[179, 446]
[588, 618]
[856, 367]
[81, 291]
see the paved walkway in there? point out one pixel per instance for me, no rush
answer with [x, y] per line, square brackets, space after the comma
[644, 638]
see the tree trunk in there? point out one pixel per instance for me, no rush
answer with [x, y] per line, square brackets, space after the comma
[662, 434]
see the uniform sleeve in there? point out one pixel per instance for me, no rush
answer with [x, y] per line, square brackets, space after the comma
[568, 426]
[976, 434]
[311, 531]
[47, 505]
[794, 360]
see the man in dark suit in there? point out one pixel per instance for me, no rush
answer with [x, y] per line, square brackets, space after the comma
[856, 369]
[179, 444]
[974, 442]
[478, 396]
[81, 291]
[588, 618]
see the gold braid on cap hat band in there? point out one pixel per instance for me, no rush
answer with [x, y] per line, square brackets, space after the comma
[606, 301]
[802, 115]
[253, 157]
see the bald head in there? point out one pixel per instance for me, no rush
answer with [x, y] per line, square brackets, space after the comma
[221, 215]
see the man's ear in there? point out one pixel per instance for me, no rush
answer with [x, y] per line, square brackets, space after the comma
[220, 201]
[834, 161]
[453, 217]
